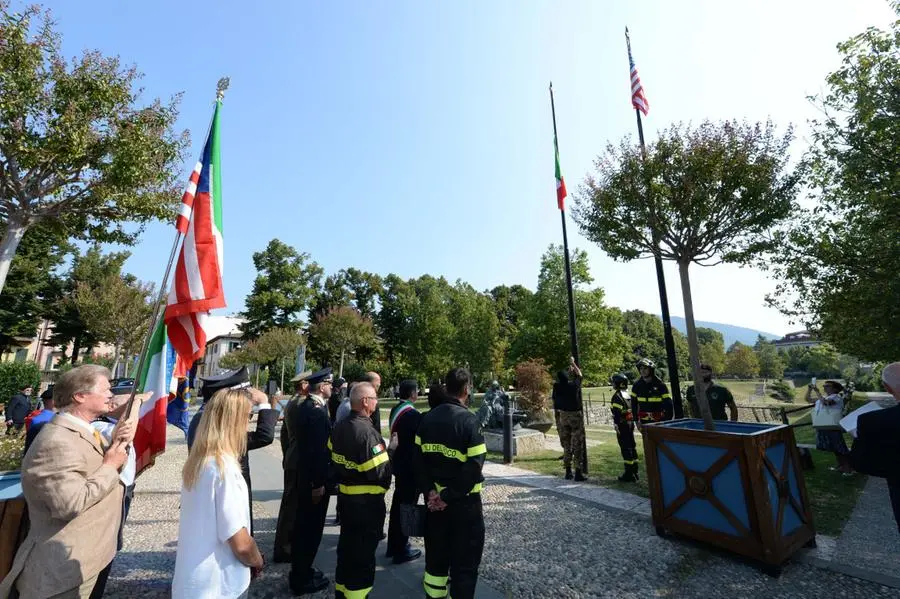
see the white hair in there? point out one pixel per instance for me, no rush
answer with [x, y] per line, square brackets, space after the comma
[891, 377]
[360, 390]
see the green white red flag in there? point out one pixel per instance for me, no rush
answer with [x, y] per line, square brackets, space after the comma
[156, 376]
[560, 182]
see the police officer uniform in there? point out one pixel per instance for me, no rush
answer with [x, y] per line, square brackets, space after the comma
[623, 420]
[363, 470]
[285, 527]
[450, 453]
[652, 401]
[311, 459]
[265, 422]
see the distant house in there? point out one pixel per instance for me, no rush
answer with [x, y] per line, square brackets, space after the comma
[225, 337]
[798, 339]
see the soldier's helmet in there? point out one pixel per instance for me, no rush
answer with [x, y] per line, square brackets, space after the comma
[495, 385]
[646, 362]
[619, 381]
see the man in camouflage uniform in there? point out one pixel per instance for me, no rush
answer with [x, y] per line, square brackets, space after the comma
[567, 401]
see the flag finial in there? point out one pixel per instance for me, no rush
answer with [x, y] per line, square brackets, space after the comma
[221, 86]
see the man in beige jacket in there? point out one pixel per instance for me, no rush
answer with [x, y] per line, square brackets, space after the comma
[70, 480]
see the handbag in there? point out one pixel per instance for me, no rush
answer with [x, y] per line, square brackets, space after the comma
[412, 520]
[826, 417]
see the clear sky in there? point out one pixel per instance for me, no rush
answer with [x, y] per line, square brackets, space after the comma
[415, 137]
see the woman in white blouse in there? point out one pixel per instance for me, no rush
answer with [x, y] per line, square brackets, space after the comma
[215, 549]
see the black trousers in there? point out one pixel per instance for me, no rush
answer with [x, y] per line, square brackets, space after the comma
[126, 507]
[362, 522]
[894, 489]
[454, 541]
[627, 445]
[404, 492]
[284, 529]
[308, 527]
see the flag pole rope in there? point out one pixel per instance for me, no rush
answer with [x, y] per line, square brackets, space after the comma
[158, 309]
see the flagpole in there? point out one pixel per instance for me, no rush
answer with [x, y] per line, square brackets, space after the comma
[671, 360]
[158, 310]
[573, 330]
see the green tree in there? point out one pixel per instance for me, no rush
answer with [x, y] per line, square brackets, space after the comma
[823, 361]
[333, 294]
[741, 362]
[93, 269]
[76, 150]
[836, 262]
[477, 331]
[286, 286]
[30, 285]
[430, 333]
[645, 339]
[698, 195]
[712, 348]
[365, 289]
[15, 375]
[116, 309]
[339, 334]
[545, 332]
[771, 362]
[397, 300]
[277, 349]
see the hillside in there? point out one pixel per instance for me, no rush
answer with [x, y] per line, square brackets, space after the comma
[731, 332]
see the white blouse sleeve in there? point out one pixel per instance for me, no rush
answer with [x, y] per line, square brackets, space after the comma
[231, 505]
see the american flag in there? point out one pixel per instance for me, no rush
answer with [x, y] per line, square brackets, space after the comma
[638, 99]
[197, 286]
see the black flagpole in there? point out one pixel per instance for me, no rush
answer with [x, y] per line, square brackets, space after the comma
[573, 331]
[671, 360]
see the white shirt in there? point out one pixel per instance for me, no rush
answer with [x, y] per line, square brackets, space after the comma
[211, 513]
[128, 470]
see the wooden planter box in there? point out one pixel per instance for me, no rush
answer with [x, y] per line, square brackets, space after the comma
[739, 487]
[13, 519]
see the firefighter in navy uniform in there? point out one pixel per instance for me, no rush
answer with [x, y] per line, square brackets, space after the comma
[311, 430]
[623, 420]
[363, 470]
[652, 401]
[449, 455]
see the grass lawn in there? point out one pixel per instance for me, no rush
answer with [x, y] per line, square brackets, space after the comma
[11, 452]
[832, 496]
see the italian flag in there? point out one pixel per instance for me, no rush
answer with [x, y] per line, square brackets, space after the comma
[560, 182]
[156, 376]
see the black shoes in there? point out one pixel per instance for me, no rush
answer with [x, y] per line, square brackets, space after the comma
[316, 583]
[579, 477]
[630, 475]
[281, 558]
[568, 473]
[408, 555]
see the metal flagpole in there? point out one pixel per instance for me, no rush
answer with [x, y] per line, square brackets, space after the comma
[671, 360]
[158, 309]
[573, 330]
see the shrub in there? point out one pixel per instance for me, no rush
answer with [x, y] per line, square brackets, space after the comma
[11, 449]
[15, 375]
[782, 391]
[533, 381]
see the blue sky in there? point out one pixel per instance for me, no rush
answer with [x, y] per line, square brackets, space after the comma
[415, 137]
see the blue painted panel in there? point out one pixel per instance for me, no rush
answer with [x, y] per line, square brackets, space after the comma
[728, 488]
[795, 488]
[696, 457]
[10, 486]
[731, 428]
[775, 454]
[772, 488]
[701, 512]
[791, 521]
[671, 477]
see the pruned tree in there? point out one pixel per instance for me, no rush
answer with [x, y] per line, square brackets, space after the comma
[338, 333]
[76, 149]
[702, 195]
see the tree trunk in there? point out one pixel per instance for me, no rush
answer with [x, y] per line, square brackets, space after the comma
[15, 231]
[341, 369]
[694, 347]
[117, 350]
[76, 349]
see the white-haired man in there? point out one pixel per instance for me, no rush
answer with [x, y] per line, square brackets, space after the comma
[877, 447]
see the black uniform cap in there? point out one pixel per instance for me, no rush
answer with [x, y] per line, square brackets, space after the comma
[233, 379]
[320, 376]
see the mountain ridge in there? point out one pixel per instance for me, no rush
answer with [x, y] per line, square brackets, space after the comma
[730, 332]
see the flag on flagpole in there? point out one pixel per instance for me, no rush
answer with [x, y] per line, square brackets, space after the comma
[638, 97]
[197, 286]
[560, 182]
[156, 377]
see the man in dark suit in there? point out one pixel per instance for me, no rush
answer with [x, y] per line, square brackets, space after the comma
[877, 446]
[310, 458]
[265, 421]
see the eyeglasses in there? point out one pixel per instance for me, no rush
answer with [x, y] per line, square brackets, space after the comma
[372, 397]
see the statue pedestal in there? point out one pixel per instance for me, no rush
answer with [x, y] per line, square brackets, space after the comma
[525, 441]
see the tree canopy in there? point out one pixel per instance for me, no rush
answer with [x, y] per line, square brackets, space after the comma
[836, 262]
[77, 150]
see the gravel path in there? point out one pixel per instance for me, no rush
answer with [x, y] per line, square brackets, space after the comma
[539, 545]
